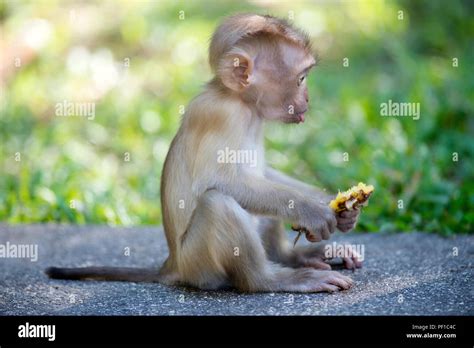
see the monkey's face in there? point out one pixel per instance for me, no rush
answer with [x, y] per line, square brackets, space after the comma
[269, 74]
[279, 85]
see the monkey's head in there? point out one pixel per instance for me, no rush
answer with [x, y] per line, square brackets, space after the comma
[264, 61]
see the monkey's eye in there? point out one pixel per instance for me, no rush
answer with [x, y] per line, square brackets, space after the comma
[301, 79]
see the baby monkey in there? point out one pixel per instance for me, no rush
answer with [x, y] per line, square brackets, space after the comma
[223, 220]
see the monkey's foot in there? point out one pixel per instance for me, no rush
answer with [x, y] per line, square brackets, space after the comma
[318, 256]
[310, 280]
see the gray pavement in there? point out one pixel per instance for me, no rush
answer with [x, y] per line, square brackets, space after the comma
[403, 274]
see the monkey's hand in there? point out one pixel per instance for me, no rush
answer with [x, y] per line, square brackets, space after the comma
[347, 220]
[320, 256]
[317, 223]
[347, 205]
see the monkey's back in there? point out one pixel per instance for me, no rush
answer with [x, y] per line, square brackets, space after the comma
[191, 166]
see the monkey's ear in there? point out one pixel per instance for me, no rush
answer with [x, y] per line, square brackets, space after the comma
[235, 70]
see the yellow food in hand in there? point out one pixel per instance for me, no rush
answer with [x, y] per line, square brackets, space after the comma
[348, 200]
[352, 198]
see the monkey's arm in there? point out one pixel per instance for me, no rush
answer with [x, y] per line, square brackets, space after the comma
[346, 221]
[262, 196]
[277, 176]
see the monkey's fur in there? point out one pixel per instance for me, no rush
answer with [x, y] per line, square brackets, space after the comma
[223, 221]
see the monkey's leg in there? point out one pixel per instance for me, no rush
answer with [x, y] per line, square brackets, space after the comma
[279, 249]
[222, 247]
[274, 240]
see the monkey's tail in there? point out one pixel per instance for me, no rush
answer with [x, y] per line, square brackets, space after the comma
[123, 274]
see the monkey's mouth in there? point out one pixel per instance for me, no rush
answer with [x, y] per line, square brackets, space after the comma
[300, 117]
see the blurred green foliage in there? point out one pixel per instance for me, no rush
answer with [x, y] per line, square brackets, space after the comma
[139, 62]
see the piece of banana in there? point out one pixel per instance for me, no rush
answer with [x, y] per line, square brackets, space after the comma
[352, 198]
